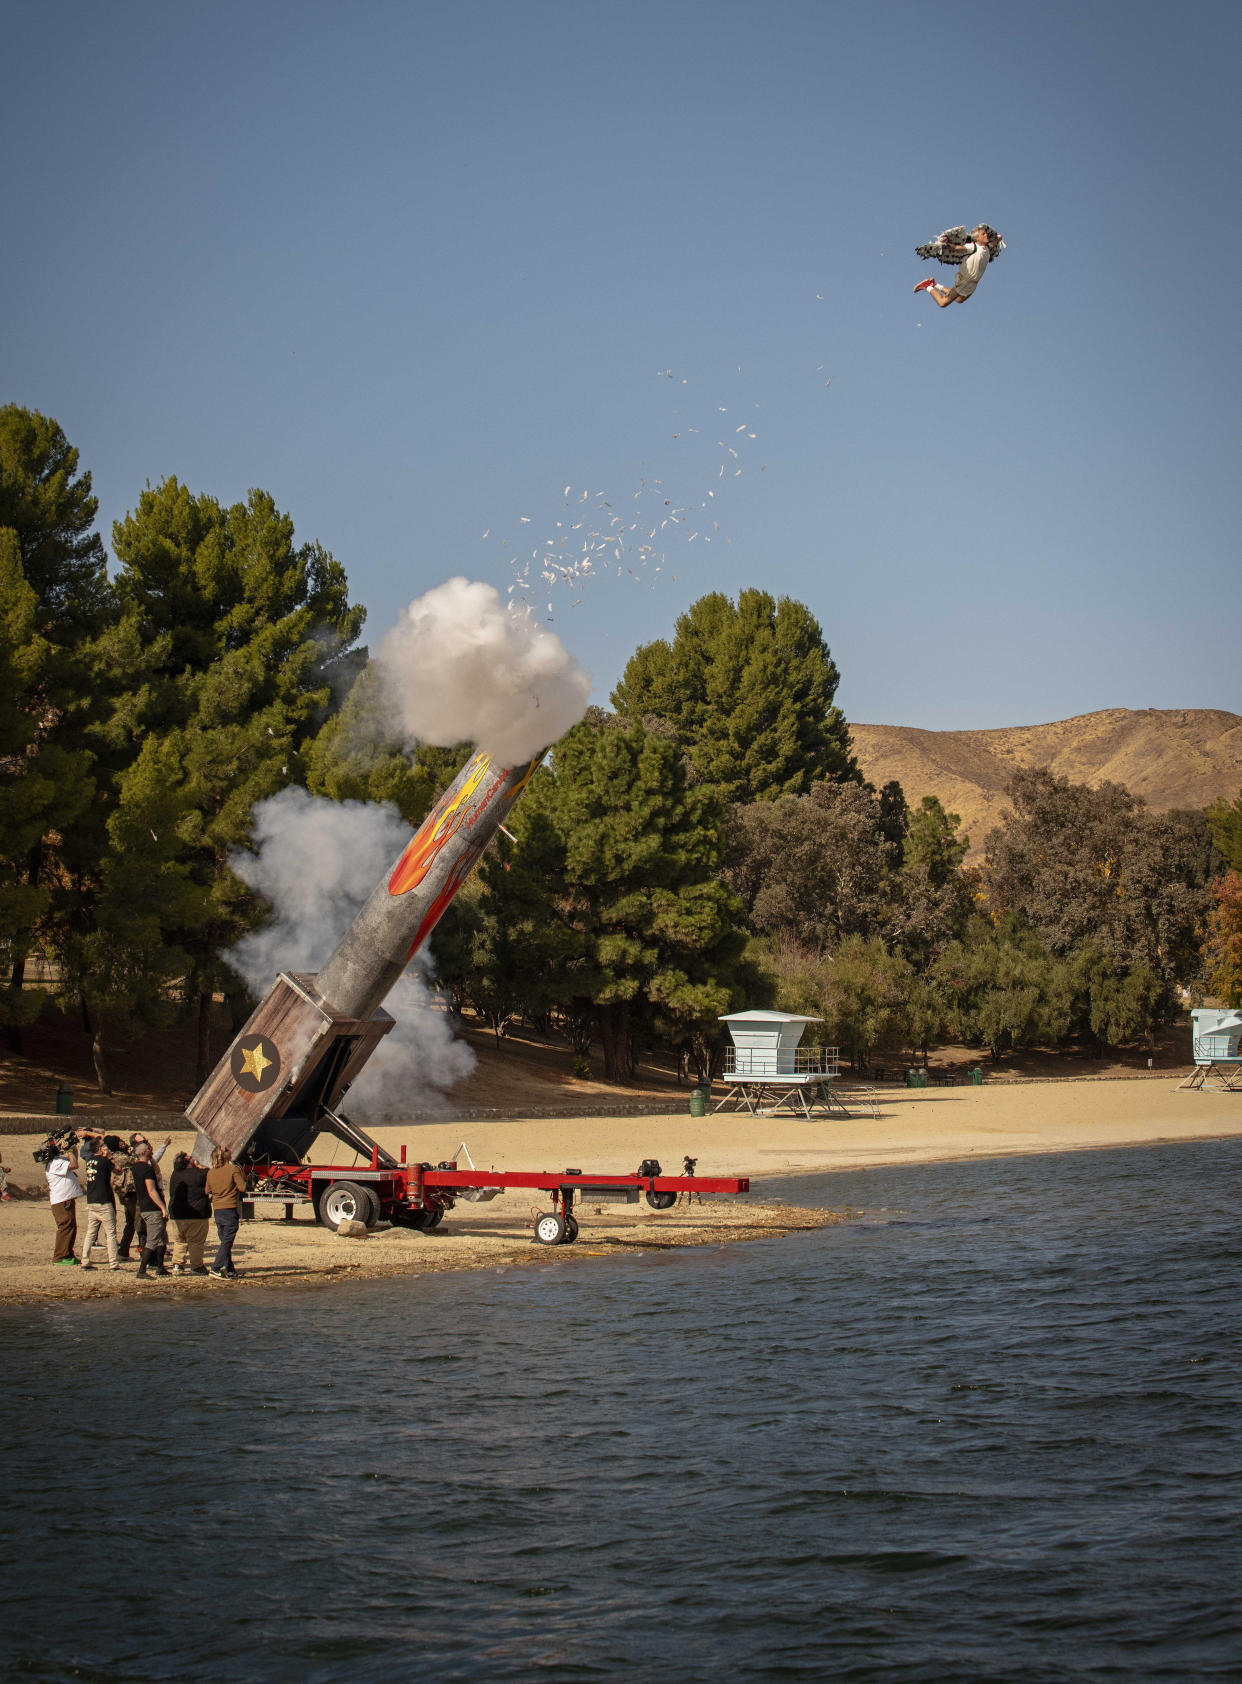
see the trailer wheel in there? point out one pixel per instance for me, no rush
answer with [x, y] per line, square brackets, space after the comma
[424, 1220]
[571, 1230]
[661, 1201]
[346, 1201]
[550, 1228]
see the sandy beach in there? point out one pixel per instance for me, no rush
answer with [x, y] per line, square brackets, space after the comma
[910, 1127]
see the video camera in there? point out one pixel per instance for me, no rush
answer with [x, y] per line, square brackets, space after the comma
[54, 1146]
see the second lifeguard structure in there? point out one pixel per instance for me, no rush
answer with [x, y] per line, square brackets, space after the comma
[767, 1070]
[1217, 1049]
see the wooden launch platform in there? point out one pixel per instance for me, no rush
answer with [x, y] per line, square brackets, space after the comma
[286, 1073]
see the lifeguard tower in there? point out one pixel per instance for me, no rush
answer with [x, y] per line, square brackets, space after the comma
[1217, 1036]
[766, 1070]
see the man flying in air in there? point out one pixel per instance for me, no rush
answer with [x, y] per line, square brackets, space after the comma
[975, 252]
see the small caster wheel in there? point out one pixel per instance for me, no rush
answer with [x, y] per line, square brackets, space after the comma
[661, 1201]
[550, 1228]
[571, 1230]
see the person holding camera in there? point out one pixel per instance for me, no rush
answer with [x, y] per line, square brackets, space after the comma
[152, 1211]
[100, 1207]
[63, 1191]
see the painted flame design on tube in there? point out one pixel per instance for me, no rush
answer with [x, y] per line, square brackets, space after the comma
[463, 866]
[440, 825]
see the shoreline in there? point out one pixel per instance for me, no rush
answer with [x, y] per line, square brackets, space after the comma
[911, 1127]
[271, 1252]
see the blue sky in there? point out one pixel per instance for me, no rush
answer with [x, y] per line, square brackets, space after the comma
[415, 270]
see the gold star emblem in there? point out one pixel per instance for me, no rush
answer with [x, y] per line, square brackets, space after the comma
[253, 1061]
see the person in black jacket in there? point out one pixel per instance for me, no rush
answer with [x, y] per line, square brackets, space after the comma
[190, 1209]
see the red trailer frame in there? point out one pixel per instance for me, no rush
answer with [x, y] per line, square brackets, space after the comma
[418, 1195]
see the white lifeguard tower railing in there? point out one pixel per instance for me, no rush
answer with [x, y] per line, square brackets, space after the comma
[766, 1070]
[1217, 1035]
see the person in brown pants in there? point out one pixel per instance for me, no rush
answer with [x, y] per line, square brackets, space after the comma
[63, 1191]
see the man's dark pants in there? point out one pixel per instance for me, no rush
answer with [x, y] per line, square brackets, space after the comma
[130, 1202]
[227, 1224]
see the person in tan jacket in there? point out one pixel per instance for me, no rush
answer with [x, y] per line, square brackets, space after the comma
[225, 1186]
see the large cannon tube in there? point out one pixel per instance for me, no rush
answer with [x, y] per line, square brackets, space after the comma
[408, 903]
[310, 1036]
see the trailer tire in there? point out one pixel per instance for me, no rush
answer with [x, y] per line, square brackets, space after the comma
[424, 1220]
[661, 1201]
[571, 1230]
[550, 1228]
[347, 1201]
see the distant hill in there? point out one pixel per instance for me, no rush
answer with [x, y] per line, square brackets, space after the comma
[1174, 757]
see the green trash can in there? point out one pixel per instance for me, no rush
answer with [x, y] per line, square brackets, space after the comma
[976, 1077]
[912, 1078]
[698, 1101]
[64, 1100]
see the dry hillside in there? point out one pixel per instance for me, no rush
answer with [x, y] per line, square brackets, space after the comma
[1175, 757]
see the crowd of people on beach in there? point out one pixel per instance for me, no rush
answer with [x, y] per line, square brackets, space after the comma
[123, 1177]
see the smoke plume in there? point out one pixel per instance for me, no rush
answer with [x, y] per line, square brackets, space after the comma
[460, 666]
[316, 861]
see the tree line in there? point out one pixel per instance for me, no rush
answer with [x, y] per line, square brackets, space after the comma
[708, 843]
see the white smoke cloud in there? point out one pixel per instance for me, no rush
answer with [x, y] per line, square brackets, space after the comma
[316, 863]
[462, 666]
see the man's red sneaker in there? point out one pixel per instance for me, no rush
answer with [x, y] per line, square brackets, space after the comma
[924, 285]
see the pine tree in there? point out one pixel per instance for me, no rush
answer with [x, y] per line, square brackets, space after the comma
[54, 599]
[233, 639]
[28, 791]
[49, 505]
[612, 894]
[748, 689]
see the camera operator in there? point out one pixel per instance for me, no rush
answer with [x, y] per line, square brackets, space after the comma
[100, 1209]
[63, 1190]
[152, 1211]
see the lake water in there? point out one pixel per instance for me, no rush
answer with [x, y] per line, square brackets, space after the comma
[987, 1429]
